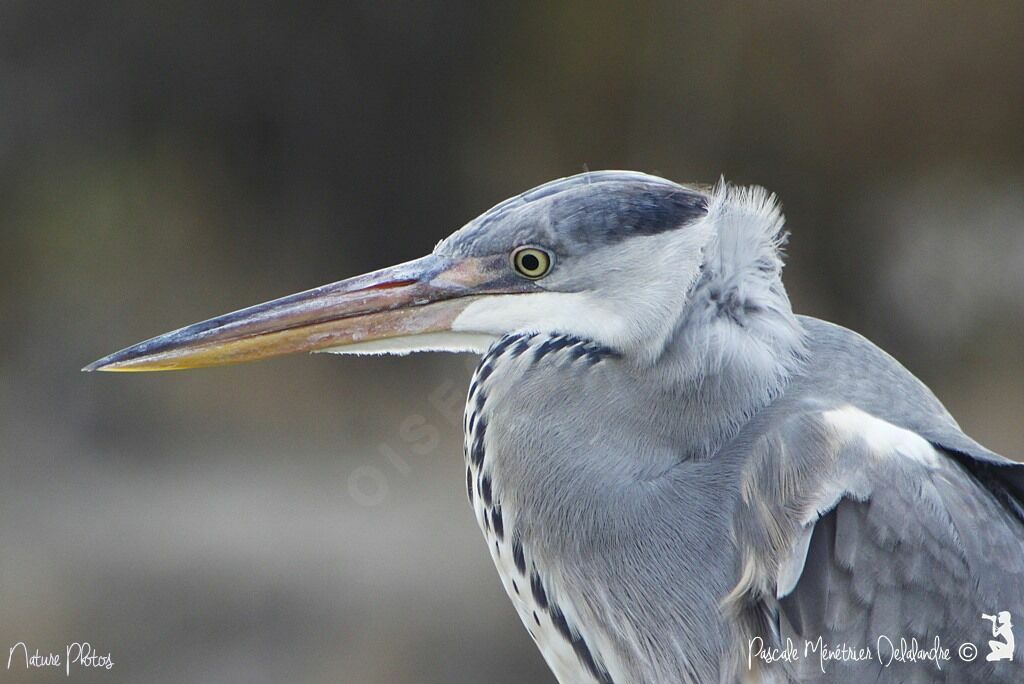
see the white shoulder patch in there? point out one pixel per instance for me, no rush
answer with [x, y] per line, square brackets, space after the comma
[884, 439]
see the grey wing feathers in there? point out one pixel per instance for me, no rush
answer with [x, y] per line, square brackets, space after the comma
[852, 529]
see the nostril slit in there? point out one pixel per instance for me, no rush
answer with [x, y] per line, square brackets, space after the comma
[390, 285]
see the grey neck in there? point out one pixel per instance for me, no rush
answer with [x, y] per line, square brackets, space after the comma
[726, 360]
[581, 498]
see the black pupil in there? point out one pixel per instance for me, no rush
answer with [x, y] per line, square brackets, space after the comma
[530, 262]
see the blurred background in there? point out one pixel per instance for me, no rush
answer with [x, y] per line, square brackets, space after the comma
[305, 519]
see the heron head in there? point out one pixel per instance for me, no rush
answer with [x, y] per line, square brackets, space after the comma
[607, 256]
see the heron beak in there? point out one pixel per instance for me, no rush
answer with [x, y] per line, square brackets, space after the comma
[415, 298]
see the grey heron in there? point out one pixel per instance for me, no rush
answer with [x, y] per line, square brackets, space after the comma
[678, 478]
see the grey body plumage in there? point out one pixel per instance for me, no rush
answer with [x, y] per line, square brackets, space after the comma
[669, 466]
[673, 541]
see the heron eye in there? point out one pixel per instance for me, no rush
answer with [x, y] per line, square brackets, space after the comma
[531, 262]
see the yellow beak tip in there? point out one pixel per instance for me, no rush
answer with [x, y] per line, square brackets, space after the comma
[93, 368]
